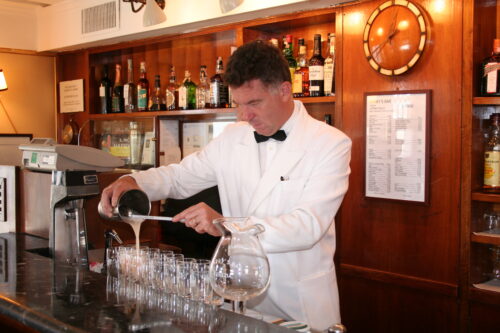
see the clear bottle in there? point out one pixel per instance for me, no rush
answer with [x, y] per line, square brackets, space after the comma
[130, 89]
[105, 92]
[157, 98]
[218, 90]
[288, 53]
[142, 89]
[301, 76]
[135, 141]
[117, 99]
[172, 91]
[187, 93]
[203, 90]
[329, 68]
[316, 70]
[491, 182]
[490, 72]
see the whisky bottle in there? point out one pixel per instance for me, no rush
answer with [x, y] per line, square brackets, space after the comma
[301, 77]
[316, 70]
[288, 53]
[490, 72]
[157, 98]
[329, 68]
[172, 91]
[105, 93]
[203, 89]
[117, 97]
[142, 89]
[218, 90]
[130, 89]
[187, 93]
[491, 182]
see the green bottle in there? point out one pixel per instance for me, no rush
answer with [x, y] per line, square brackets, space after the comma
[187, 93]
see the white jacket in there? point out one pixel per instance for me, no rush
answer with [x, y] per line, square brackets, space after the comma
[297, 212]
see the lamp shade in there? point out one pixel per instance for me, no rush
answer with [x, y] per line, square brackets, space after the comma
[3, 83]
[153, 14]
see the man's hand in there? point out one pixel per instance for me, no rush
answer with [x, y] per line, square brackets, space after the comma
[110, 194]
[200, 217]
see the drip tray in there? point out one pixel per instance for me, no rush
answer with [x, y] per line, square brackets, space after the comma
[43, 251]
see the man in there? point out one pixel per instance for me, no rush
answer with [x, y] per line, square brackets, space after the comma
[292, 187]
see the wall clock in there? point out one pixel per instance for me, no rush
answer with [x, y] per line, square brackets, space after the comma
[394, 37]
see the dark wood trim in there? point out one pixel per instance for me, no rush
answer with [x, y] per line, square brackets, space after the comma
[401, 280]
[485, 239]
[486, 100]
[484, 296]
[28, 52]
[484, 197]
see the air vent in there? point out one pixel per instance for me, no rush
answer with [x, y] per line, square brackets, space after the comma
[99, 18]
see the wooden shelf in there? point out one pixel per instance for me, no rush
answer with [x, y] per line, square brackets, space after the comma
[312, 100]
[485, 239]
[485, 197]
[484, 296]
[486, 100]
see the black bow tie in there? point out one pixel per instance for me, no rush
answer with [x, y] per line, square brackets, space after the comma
[280, 136]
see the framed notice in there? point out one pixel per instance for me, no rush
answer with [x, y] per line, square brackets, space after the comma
[71, 96]
[397, 144]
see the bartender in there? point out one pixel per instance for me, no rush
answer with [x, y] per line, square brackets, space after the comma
[279, 167]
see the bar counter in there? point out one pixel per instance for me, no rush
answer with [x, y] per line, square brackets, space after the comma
[37, 294]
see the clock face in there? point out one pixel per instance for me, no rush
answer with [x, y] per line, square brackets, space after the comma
[394, 37]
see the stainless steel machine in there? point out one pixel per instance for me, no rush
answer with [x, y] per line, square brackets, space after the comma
[74, 178]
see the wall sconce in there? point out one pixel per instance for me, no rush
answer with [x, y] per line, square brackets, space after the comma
[153, 14]
[3, 86]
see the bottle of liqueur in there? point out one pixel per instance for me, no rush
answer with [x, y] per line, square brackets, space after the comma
[316, 70]
[157, 98]
[218, 90]
[491, 183]
[130, 89]
[187, 93]
[490, 72]
[329, 68]
[118, 102]
[142, 89]
[301, 76]
[172, 91]
[288, 53]
[105, 93]
[203, 90]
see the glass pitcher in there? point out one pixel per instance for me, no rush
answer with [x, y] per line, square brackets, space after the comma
[239, 269]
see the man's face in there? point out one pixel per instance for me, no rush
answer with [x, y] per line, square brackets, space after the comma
[266, 109]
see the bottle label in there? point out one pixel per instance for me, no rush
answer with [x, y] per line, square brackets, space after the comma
[170, 99]
[328, 72]
[491, 72]
[297, 83]
[292, 72]
[182, 98]
[125, 93]
[102, 91]
[492, 168]
[142, 98]
[316, 73]
[215, 93]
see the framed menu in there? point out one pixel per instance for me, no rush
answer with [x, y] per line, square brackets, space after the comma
[397, 144]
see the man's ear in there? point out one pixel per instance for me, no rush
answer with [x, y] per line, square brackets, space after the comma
[285, 90]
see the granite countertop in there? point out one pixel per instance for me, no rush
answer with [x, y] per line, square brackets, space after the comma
[62, 298]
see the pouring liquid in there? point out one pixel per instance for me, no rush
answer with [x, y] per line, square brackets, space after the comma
[135, 223]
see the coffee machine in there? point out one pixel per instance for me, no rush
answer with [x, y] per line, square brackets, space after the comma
[74, 178]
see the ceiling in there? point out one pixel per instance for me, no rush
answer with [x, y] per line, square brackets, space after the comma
[42, 3]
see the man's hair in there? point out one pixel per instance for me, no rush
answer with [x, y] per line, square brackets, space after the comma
[257, 60]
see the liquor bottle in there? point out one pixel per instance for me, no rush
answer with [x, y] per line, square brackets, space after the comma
[274, 42]
[187, 93]
[218, 90]
[491, 182]
[329, 68]
[172, 91]
[490, 72]
[301, 76]
[142, 89]
[157, 99]
[130, 89]
[117, 97]
[105, 88]
[230, 103]
[288, 53]
[316, 74]
[203, 90]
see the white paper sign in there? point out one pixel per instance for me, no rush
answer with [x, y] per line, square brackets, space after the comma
[396, 146]
[71, 96]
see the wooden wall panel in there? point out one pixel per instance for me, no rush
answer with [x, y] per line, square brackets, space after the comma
[410, 241]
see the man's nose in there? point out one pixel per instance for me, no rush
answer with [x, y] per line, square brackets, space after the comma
[244, 114]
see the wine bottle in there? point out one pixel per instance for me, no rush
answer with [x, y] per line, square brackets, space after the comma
[203, 89]
[288, 53]
[118, 103]
[130, 90]
[157, 98]
[316, 70]
[329, 68]
[490, 72]
[172, 91]
[218, 90]
[105, 93]
[301, 76]
[491, 176]
[187, 93]
[142, 89]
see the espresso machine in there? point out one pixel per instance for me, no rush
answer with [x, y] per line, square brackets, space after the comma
[74, 178]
